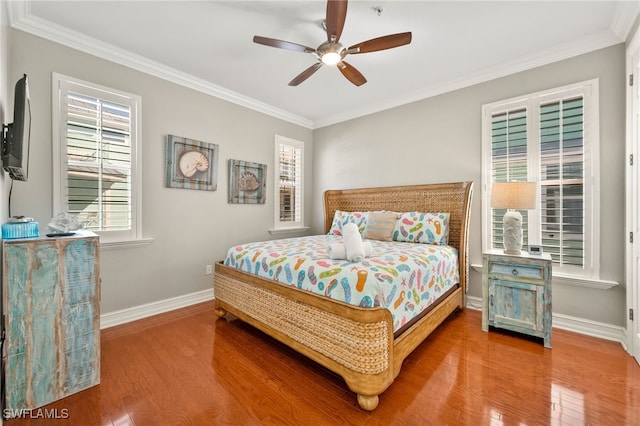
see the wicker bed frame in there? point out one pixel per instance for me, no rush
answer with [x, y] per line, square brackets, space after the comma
[356, 343]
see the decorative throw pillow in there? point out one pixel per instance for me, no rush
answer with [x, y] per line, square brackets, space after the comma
[427, 228]
[340, 218]
[380, 226]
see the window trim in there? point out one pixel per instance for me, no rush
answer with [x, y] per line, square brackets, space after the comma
[590, 91]
[61, 84]
[279, 226]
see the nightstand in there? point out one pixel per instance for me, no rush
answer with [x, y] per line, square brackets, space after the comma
[516, 293]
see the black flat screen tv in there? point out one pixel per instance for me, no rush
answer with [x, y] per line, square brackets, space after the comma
[16, 136]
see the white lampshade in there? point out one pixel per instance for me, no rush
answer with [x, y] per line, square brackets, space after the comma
[514, 195]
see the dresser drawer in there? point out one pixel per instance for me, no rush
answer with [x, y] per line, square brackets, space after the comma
[516, 271]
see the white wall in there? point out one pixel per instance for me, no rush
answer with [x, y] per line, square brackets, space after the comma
[439, 140]
[190, 228]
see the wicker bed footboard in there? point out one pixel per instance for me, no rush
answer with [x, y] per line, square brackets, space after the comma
[356, 343]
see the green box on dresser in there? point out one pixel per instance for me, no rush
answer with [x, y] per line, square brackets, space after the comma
[516, 293]
[51, 318]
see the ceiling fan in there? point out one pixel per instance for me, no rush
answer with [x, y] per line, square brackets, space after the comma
[332, 52]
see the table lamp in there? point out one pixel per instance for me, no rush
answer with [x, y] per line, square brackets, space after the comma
[513, 196]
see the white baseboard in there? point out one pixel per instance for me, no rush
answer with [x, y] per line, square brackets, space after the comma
[574, 324]
[474, 303]
[590, 328]
[124, 316]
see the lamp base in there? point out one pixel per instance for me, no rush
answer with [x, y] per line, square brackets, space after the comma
[512, 232]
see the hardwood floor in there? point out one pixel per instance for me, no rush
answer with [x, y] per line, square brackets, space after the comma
[186, 368]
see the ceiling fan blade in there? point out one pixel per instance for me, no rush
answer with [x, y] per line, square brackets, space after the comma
[281, 44]
[381, 43]
[305, 74]
[352, 74]
[336, 15]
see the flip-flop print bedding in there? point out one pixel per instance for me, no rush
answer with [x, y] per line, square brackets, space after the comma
[403, 277]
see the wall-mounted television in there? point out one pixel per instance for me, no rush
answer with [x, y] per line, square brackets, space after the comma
[16, 136]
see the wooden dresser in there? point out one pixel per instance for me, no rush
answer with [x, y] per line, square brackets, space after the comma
[516, 293]
[51, 318]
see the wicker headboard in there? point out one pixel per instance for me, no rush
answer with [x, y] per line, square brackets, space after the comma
[453, 198]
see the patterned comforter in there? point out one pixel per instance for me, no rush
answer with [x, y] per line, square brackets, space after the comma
[405, 278]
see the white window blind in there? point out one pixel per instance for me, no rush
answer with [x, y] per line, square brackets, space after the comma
[547, 137]
[96, 170]
[289, 175]
[98, 186]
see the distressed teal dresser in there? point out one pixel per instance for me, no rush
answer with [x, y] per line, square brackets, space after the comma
[516, 293]
[51, 318]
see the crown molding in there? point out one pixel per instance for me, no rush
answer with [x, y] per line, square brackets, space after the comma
[21, 19]
[624, 17]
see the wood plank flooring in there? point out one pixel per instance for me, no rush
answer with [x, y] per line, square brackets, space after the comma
[186, 368]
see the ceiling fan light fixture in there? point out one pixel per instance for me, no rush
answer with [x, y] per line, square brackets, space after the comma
[330, 53]
[331, 58]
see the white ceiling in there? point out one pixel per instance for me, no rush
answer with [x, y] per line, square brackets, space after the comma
[207, 45]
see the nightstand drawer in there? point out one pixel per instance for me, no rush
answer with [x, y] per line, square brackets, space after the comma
[516, 271]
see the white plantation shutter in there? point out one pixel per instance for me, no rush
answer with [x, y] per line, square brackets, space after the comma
[562, 180]
[508, 162]
[290, 170]
[546, 137]
[289, 175]
[98, 186]
[96, 165]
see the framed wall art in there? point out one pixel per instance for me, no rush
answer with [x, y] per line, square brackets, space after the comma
[247, 182]
[191, 164]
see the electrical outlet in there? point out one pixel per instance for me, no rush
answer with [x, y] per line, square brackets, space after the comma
[209, 270]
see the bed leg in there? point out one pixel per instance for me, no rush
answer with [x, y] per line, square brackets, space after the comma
[368, 402]
[220, 312]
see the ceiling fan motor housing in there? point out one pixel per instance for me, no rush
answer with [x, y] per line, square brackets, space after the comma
[331, 53]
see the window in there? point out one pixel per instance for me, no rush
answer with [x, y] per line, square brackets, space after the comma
[96, 170]
[289, 175]
[552, 138]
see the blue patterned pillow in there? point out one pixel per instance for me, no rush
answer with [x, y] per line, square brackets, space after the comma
[426, 228]
[341, 218]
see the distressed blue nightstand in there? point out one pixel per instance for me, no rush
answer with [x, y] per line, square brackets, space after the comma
[516, 293]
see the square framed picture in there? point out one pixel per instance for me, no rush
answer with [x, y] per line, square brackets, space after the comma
[247, 182]
[191, 164]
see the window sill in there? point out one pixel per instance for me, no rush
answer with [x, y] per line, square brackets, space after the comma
[112, 245]
[286, 231]
[584, 282]
[572, 280]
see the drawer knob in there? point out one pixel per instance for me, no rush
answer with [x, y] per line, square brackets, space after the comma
[515, 271]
